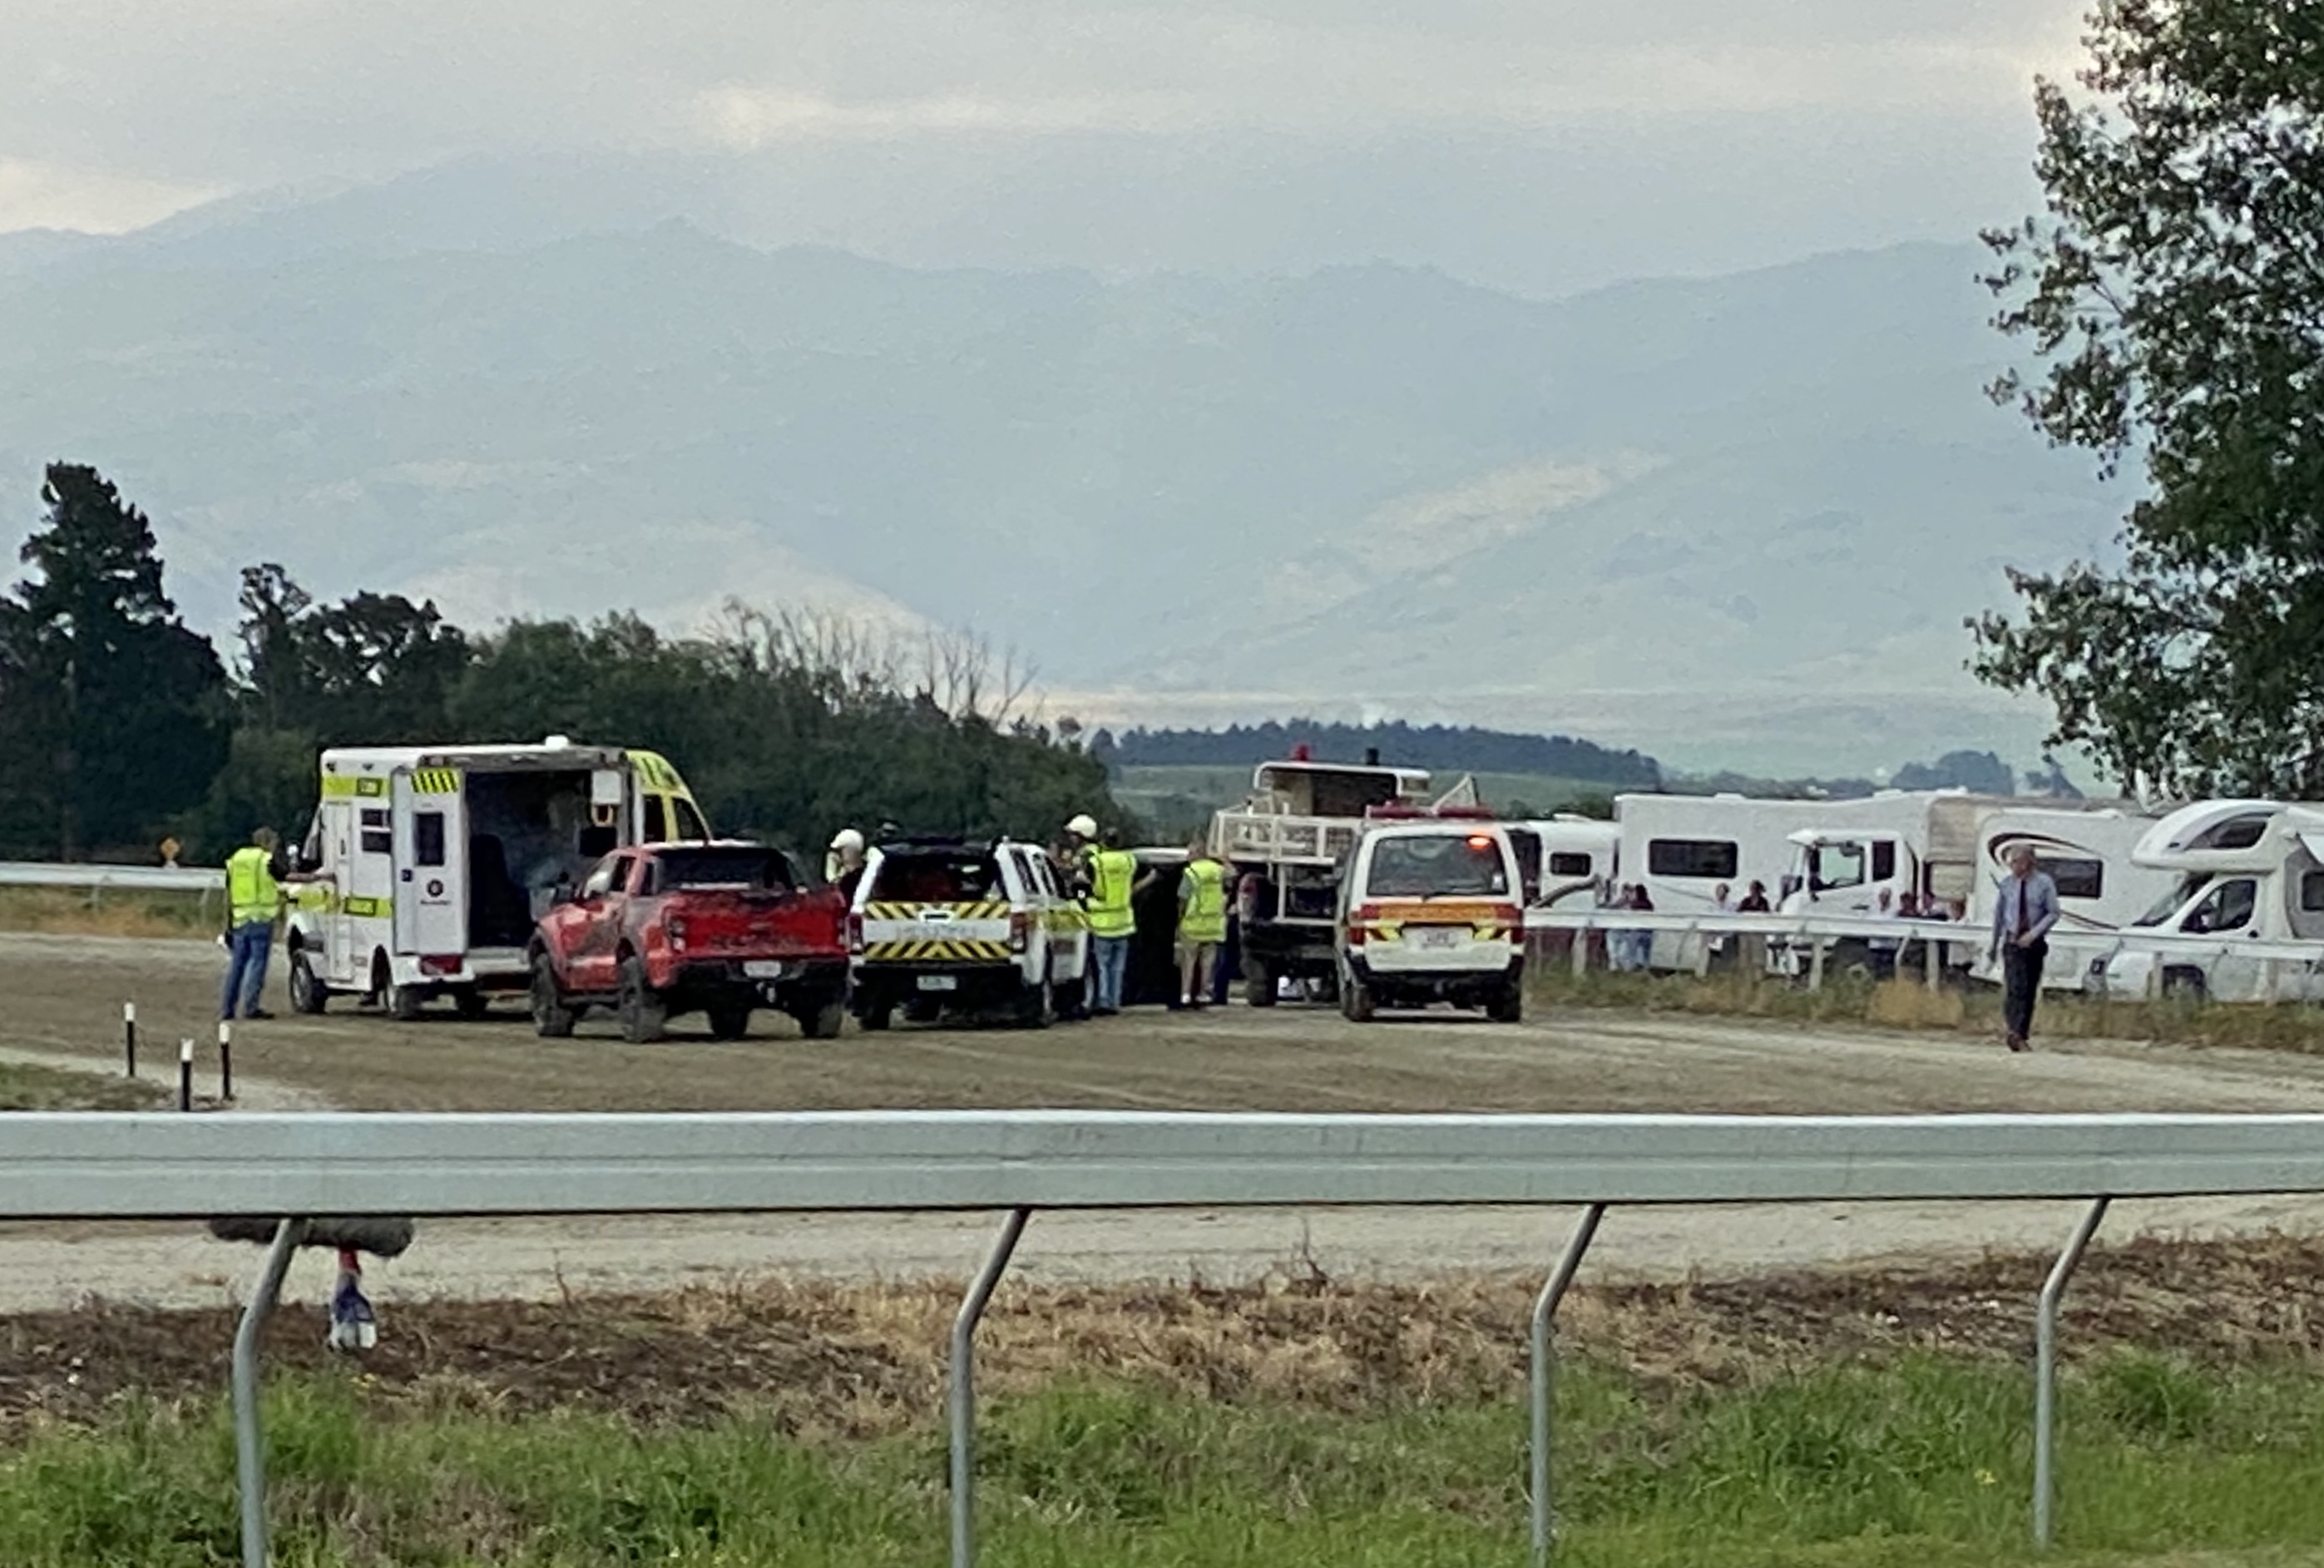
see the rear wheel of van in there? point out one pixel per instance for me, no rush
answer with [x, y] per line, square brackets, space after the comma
[823, 1021]
[308, 993]
[1257, 982]
[727, 1022]
[642, 1011]
[551, 1019]
[1355, 1001]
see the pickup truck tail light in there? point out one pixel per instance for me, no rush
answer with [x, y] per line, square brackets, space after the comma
[1020, 931]
[856, 932]
[675, 927]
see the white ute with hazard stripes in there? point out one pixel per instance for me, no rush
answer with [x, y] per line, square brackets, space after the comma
[944, 925]
[426, 867]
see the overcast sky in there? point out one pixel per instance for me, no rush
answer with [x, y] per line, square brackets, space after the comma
[1536, 144]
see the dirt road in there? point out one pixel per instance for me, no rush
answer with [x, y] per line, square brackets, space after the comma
[64, 995]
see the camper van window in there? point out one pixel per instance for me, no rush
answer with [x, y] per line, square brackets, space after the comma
[1714, 859]
[2076, 878]
[2312, 892]
[690, 825]
[2234, 833]
[1836, 866]
[428, 838]
[657, 826]
[2228, 908]
[1567, 863]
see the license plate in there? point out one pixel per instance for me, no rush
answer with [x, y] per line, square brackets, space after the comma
[765, 969]
[939, 983]
[1441, 936]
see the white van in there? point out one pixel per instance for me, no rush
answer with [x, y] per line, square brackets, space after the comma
[1433, 911]
[426, 867]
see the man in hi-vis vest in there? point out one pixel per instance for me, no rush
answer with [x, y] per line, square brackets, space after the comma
[252, 899]
[1113, 875]
[1202, 922]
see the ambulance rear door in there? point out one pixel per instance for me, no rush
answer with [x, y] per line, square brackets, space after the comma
[431, 862]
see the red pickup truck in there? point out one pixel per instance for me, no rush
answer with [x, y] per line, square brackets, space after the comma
[718, 928]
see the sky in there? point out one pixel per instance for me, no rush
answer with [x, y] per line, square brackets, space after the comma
[1537, 145]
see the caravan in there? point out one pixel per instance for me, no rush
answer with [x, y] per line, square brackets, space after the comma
[2240, 872]
[426, 867]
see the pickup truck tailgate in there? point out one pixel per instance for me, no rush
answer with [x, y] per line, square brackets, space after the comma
[936, 933]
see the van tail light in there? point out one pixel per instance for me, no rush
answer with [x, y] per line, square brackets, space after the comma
[1508, 920]
[1361, 923]
[1020, 931]
[855, 933]
[439, 963]
[676, 929]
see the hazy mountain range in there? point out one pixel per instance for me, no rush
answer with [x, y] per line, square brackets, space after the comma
[1736, 520]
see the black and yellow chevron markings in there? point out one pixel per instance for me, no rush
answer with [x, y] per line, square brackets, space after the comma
[436, 780]
[954, 952]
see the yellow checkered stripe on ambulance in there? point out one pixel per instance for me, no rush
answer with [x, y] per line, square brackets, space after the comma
[436, 780]
[993, 910]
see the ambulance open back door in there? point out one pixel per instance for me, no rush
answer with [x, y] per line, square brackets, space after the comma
[431, 861]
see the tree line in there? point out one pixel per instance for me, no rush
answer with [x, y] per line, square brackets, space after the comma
[1439, 748]
[120, 726]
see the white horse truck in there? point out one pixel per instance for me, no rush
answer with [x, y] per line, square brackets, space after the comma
[426, 867]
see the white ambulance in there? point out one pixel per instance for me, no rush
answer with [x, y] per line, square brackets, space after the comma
[426, 867]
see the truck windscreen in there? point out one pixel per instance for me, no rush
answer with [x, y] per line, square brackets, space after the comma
[750, 869]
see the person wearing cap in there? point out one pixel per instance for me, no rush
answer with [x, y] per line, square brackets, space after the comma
[843, 866]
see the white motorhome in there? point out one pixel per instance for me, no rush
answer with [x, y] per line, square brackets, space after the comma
[1682, 848]
[2240, 873]
[1565, 859]
[426, 867]
[1952, 848]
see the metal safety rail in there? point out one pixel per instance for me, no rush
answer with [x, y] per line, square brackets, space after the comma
[1816, 933]
[128, 879]
[295, 1168]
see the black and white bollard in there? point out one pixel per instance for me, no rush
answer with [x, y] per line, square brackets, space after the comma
[186, 1075]
[225, 1060]
[129, 1037]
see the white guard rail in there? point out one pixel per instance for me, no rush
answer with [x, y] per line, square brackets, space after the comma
[296, 1167]
[95, 877]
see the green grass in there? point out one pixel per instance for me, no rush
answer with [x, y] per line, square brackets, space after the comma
[1921, 1461]
[56, 1088]
[71, 911]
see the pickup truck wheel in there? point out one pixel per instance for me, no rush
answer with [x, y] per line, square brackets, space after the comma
[875, 1016]
[1038, 1007]
[643, 1013]
[551, 1019]
[471, 1003]
[1508, 1007]
[824, 1021]
[729, 1023]
[1257, 982]
[308, 993]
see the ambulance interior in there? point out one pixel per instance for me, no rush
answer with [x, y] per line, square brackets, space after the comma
[529, 834]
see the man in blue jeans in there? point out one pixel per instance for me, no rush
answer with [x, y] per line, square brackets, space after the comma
[1113, 875]
[253, 898]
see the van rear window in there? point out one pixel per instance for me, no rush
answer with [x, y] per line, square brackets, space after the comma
[1436, 865]
[938, 879]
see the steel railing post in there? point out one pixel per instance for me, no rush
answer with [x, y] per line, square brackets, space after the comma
[1545, 1308]
[964, 1386]
[2046, 1367]
[249, 1452]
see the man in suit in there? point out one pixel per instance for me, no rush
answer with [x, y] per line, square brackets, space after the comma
[2022, 914]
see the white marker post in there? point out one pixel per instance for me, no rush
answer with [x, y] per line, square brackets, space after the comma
[225, 1060]
[185, 1073]
[129, 1037]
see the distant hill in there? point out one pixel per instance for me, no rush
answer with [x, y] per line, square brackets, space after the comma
[1734, 518]
[1438, 748]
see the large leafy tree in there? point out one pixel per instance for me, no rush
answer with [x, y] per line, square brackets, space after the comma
[2173, 296]
[111, 712]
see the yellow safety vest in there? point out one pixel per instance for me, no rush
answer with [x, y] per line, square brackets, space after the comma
[250, 887]
[1203, 914]
[1112, 871]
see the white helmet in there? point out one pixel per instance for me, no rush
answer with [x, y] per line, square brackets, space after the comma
[1082, 826]
[847, 838]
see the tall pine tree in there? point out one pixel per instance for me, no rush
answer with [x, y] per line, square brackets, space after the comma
[113, 713]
